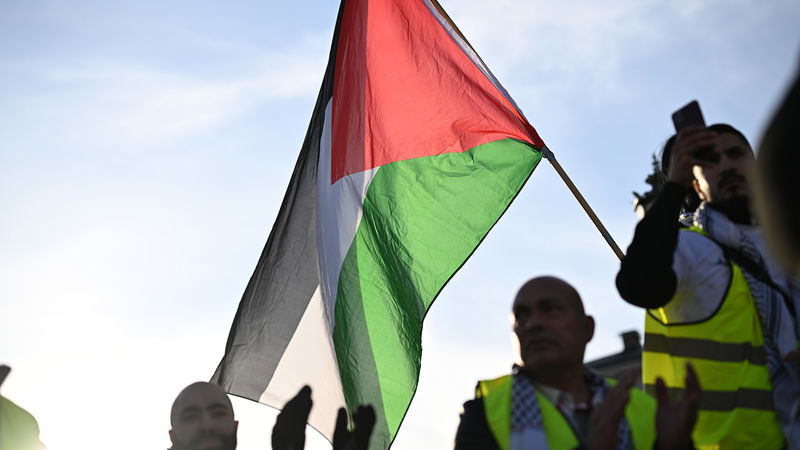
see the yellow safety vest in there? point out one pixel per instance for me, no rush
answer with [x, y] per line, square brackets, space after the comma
[727, 352]
[18, 429]
[496, 395]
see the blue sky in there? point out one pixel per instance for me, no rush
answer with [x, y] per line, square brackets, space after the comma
[145, 148]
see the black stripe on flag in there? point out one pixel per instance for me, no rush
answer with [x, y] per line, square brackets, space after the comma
[286, 275]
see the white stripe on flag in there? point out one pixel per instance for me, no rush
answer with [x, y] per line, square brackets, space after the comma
[339, 211]
[309, 359]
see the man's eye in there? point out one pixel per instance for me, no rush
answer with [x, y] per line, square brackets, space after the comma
[189, 417]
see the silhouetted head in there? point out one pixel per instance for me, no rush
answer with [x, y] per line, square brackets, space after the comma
[202, 419]
[550, 324]
[778, 159]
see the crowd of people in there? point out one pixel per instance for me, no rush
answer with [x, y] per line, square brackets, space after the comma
[720, 361]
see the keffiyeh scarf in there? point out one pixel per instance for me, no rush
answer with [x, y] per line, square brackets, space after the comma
[526, 414]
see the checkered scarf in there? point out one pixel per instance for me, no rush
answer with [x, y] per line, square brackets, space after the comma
[525, 412]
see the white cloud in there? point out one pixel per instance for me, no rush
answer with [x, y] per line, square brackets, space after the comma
[113, 103]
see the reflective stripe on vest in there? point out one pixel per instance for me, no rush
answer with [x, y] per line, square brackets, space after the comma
[496, 395]
[727, 352]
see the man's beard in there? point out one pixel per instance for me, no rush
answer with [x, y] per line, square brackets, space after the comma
[736, 208]
[227, 442]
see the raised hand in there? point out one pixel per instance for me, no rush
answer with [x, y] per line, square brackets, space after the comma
[685, 154]
[358, 438]
[289, 432]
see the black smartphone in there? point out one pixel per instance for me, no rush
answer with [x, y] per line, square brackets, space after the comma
[688, 116]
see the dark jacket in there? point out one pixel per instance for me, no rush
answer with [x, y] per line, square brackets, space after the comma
[473, 431]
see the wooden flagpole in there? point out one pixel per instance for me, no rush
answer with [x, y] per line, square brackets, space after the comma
[578, 196]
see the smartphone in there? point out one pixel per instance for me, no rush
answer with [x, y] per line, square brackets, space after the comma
[688, 116]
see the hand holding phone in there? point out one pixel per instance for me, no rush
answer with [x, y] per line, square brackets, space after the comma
[691, 116]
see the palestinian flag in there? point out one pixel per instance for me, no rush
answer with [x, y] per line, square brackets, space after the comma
[413, 153]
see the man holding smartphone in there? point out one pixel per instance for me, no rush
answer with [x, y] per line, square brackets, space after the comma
[714, 296]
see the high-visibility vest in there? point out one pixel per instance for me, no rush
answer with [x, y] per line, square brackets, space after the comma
[18, 429]
[496, 396]
[727, 352]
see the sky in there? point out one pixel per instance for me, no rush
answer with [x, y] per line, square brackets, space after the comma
[145, 148]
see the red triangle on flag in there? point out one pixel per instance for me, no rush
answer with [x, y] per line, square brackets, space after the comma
[404, 88]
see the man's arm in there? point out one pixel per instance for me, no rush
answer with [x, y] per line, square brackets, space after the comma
[645, 277]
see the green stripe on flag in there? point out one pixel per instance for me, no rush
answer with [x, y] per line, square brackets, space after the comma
[422, 218]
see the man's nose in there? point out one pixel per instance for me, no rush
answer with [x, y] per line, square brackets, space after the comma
[206, 421]
[726, 164]
[532, 322]
[727, 170]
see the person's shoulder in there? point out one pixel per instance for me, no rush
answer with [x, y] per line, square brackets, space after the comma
[471, 406]
[473, 431]
[695, 246]
[702, 273]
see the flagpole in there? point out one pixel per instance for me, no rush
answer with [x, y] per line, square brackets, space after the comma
[578, 196]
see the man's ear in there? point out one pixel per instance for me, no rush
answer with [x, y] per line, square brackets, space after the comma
[235, 425]
[171, 438]
[696, 184]
[589, 328]
[696, 187]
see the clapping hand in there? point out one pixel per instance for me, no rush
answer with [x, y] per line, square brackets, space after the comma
[675, 420]
[607, 416]
[358, 438]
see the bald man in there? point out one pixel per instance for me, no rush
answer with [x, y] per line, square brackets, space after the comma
[551, 400]
[202, 419]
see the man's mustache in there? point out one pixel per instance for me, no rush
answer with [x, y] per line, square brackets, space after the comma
[727, 177]
[541, 336]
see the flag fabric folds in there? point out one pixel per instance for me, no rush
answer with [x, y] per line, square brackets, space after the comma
[413, 153]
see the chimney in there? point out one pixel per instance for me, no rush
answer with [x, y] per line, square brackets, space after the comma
[631, 341]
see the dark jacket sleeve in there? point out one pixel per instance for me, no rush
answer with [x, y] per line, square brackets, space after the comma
[473, 431]
[645, 277]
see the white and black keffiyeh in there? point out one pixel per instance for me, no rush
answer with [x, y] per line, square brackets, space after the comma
[526, 414]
